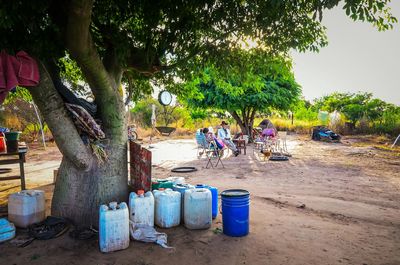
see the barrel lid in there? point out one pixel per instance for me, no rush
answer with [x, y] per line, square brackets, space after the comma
[140, 192]
[235, 193]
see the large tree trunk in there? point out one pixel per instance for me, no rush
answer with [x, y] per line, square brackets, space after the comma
[246, 122]
[83, 181]
[78, 193]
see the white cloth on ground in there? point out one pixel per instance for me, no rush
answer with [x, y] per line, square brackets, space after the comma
[147, 233]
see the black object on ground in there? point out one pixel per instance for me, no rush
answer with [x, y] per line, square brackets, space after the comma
[183, 169]
[51, 227]
[322, 133]
[83, 233]
[279, 158]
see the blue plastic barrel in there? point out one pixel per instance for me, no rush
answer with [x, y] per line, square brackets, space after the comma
[214, 193]
[235, 212]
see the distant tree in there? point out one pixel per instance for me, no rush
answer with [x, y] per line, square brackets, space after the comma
[354, 106]
[255, 87]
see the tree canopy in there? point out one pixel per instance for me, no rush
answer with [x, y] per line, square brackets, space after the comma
[355, 106]
[257, 86]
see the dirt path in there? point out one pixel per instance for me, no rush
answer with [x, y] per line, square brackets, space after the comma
[351, 214]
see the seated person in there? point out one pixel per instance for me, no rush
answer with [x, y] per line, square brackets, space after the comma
[208, 135]
[268, 132]
[225, 135]
[268, 128]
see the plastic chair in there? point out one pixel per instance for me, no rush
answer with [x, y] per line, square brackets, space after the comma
[202, 144]
[282, 146]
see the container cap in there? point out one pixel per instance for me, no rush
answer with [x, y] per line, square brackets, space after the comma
[235, 193]
[140, 192]
[161, 189]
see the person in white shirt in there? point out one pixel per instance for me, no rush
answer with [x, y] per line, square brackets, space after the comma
[225, 135]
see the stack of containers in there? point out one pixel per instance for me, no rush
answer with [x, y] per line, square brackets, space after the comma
[167, 208]
[113, 227]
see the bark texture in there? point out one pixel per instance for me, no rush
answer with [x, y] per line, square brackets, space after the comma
[78, 194]
[246, 122]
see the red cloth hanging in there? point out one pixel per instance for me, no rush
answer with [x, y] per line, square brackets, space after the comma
[20, 69]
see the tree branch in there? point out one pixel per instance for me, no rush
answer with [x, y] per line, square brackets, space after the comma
[112, 65]
[104, 86]
[236, 116]
[252, 115]
[63, 129]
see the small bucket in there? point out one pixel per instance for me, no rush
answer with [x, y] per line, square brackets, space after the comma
[12, 141]
[235, 212]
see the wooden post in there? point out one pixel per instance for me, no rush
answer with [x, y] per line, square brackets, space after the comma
[22, 171]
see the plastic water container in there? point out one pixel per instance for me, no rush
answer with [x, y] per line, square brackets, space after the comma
[141, 207]
[235, 212]
[198, 208]
[161, 184]
[181, 188]
[26, 207]
[113, 227]
[167, 208]
[214, 192]
[176, 180]
[7, 230]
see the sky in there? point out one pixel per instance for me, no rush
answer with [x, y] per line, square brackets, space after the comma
[357, 58]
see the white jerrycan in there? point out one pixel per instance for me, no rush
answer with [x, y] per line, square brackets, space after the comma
[198, 208]
[141, 208]
[167, 208]
[113, 227]
[26, 207]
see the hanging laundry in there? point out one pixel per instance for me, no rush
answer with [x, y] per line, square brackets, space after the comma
[20, 69]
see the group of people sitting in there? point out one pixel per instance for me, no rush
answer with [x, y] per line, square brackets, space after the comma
[223, 138]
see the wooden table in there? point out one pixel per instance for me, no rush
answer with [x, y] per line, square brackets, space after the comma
[240, 144]
[11, 159]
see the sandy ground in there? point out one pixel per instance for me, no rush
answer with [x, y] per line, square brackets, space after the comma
[351, 194]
